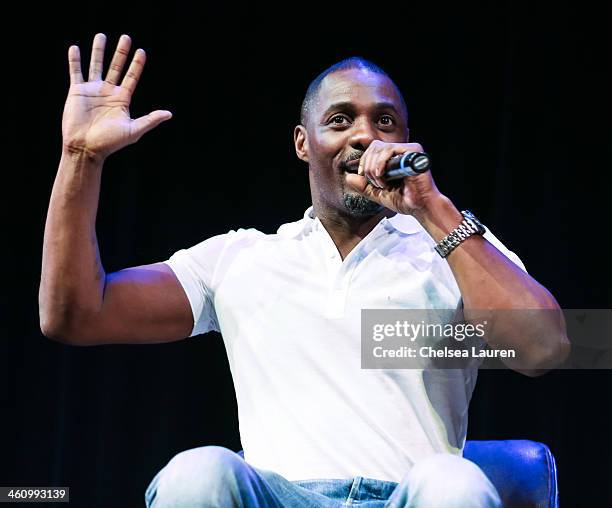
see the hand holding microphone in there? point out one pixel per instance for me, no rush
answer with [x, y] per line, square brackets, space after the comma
[407, 164]
[403, 165]
[381, 177]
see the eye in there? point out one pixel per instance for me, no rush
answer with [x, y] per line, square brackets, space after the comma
[387, 120]
[338, 120]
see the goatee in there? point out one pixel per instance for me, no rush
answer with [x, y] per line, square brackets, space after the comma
[360, 206]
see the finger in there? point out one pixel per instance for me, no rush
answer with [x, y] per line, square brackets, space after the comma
[364, 161]
[370, 170]
[368, 178]
[361, 165]
[119, 58]
[415, 147]
[74, 65]
[372, 181]
[97, 57]
[379, 166]
[371, 163]
[134, 71]
[365, 188]
[145, 123]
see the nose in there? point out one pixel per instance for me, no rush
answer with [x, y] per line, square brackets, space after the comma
[363, 133]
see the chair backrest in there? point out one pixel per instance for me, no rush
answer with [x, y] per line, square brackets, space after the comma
[524, 472]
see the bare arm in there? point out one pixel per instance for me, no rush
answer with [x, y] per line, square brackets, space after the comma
[79, 303]
[532, 324]
[528, 318]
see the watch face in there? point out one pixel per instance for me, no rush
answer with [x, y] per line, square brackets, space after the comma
[469, 215]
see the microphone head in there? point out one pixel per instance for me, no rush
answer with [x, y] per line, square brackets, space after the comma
[407, 164]
[419, 162]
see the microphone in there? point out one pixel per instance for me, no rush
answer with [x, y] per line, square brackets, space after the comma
[407, 164]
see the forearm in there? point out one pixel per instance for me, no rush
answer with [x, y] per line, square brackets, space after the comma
[486, 277]
[529, 319]
[72, 278]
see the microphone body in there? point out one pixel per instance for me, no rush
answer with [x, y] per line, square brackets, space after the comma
[407, 164]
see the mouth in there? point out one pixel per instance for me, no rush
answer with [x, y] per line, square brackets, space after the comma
[351, 166]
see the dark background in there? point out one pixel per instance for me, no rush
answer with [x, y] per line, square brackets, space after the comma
[505, 96]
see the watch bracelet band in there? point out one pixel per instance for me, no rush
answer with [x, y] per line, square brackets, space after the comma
[464, 230]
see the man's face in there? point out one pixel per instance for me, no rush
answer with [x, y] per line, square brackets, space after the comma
[353, 108]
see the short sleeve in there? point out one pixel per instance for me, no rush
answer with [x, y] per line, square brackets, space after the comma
[200, 269]
[195, 270]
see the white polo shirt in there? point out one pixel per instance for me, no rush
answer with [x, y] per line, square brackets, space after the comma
[289, 311]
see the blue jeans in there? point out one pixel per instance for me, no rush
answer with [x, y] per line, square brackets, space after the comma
[213, 476]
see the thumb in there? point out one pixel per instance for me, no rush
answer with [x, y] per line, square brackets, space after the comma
[145, 123]
[358, 183]
[361, 185]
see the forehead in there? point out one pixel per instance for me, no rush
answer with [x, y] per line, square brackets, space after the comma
[359, 86]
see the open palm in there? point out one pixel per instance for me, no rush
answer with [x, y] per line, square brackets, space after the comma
[96, 115]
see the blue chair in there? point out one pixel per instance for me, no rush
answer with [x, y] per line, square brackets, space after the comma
[523, 472]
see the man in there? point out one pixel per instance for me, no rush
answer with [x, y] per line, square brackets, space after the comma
[317, 429]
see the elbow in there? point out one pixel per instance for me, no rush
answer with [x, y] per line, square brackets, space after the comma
[546, 358]
[52, 324]
[50, 329]
[54, 329]
[51, 317]
[61, 328]
[65, 319]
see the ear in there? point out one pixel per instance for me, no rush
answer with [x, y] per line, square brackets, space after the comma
[407, 135]
[300, 139]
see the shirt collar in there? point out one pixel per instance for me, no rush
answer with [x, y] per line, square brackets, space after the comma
[406, 224]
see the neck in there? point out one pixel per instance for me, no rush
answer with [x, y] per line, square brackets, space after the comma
[346, 230]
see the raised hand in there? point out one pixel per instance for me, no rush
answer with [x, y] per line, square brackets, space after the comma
[96, 118]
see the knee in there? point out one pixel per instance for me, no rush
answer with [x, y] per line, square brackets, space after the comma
[449, 480]
[200, 477]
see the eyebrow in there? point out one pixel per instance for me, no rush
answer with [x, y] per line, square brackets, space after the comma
[349, 106]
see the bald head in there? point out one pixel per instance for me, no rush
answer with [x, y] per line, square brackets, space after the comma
[349, 63]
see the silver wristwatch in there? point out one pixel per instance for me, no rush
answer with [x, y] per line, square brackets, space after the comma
[469, 226]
